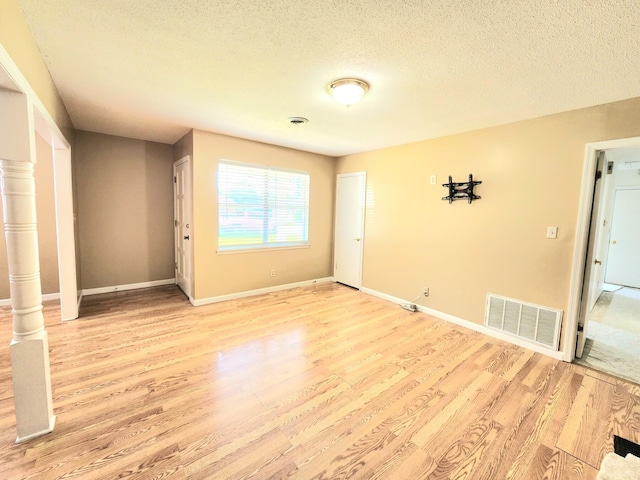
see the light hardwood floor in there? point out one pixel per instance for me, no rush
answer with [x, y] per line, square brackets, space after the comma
[322, 382]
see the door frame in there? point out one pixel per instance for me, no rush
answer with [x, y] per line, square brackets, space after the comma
[189, 249]
[582, 237]
[362, 174]
[592, 267]
[45, 125]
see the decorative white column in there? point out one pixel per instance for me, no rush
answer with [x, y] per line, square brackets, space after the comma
[29, 347]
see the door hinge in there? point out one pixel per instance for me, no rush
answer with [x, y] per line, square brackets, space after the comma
[175, 179]
[175, 223]
[598, 175]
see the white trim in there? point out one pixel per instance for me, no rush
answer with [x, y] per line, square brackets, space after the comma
[234, 250]
[467, 324]
[259, 291]
[21, 82]
[79, 299]
[45, 298]
[50, 296]
[65, 233]
[130, 286]
[190, 223]
[581, 239]
[49, 429]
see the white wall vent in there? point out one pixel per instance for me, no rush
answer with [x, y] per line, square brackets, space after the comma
[527, 321]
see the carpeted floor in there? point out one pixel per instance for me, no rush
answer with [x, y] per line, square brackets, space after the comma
[613, 335]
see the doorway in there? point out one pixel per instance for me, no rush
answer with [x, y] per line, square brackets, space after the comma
[624, 246]
[613, 337]
[349, 228]
[608, 244]
[183, 231]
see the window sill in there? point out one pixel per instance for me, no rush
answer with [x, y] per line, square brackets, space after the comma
[261, 249]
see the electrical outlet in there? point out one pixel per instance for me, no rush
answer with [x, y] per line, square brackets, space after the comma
[273, 272]
[426, 292]
[433, 179]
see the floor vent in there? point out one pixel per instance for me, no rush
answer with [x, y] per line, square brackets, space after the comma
[527, 321]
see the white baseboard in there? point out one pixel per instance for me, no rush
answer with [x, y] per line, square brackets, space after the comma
[259, 291]
[130, 286]
[470, 325]
[45, 297]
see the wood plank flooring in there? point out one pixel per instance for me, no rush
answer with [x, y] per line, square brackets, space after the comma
[322, 382]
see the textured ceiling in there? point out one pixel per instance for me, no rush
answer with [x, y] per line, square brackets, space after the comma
[154, 69]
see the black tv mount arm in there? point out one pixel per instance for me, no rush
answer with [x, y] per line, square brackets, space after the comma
[461, 190]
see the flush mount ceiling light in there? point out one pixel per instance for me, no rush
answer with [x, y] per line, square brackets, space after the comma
[347, 91]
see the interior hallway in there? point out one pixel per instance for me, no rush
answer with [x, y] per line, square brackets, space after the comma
[613, 334]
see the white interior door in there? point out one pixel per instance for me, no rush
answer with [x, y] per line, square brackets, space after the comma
[182, 223]
[598, 235]
[592, 271]
[623, 263]
[349, 228]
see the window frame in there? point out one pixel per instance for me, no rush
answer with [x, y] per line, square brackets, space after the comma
[264, 246]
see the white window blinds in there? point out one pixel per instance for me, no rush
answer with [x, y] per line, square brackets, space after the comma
[261, 207]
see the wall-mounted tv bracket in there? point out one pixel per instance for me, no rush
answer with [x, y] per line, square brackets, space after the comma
[461, 190]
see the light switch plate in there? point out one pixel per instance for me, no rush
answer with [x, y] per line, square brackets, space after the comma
[552, 232]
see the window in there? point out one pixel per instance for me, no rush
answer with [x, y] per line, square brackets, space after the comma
[261, 207]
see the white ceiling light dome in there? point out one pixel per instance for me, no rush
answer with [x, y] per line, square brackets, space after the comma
[348, 91]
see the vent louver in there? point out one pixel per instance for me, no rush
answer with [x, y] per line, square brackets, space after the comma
[527, 321]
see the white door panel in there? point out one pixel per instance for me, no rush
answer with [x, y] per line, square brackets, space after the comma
[592, 268]
[349, 228]
[182, 226]
[623, 263]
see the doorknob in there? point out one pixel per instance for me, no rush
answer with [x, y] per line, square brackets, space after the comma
[613, 242]
[597, 262]
[186, 237]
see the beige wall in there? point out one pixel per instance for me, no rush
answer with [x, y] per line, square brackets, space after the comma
[531, 173]
[183, 147]
[17, 40]
[125, 210]
[223, 274]
[46, 214]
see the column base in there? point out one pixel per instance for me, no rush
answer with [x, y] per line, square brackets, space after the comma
[32, 386]
[49, 429]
